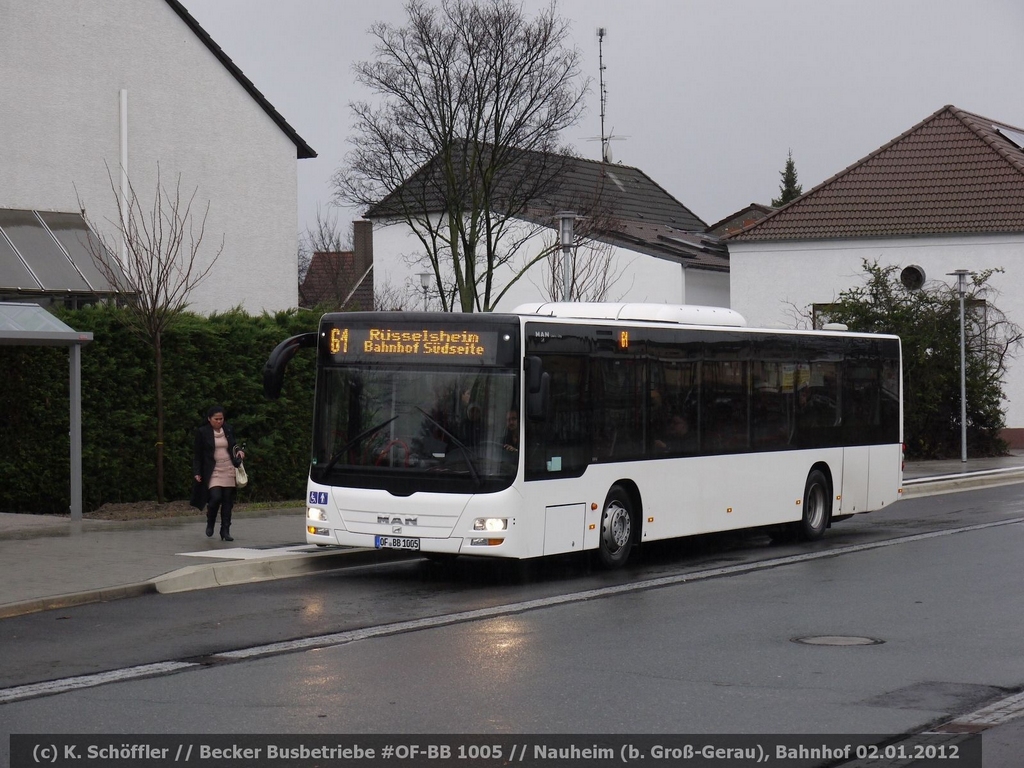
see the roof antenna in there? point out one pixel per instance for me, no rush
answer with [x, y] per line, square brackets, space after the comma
[606, 154]
[606, 138]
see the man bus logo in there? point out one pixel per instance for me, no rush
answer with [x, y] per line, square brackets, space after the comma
[318, 497]
[387, 520]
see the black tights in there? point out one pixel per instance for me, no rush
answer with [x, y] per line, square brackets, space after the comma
[222, 499]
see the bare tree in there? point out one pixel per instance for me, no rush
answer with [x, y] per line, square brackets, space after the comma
[592, 273]
[592, 267]
[391, 299]
[159, 268]
[463, 144]
[325, 236]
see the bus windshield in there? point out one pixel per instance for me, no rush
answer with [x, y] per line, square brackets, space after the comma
[407, 429]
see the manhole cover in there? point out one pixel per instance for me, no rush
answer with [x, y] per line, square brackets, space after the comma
[837, 640]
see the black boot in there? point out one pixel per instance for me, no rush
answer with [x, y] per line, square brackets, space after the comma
[225, 523]
[210, 520]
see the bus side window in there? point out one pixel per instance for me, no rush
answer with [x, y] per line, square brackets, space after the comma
[538, 390]
[817, 418]
[561, 443]
[724, 407]
[672, 416]
[770, 414]
[864, 396]
[618, 407]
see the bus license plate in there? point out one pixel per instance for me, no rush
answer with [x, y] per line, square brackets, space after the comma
[396, 542]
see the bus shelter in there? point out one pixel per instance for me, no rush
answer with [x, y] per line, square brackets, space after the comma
[31, 325]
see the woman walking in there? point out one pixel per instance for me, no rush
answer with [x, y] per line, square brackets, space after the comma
[213, 469]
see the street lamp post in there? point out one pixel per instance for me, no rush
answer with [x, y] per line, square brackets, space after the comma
[566, 235]
[425, 284]
[961, 287]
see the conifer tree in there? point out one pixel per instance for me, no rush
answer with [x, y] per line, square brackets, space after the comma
[789, 189]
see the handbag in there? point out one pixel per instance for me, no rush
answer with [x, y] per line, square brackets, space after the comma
[241, 477]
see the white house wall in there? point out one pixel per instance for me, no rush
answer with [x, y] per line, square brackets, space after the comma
[641, 278]
[775, 284]
[707, 288]
[62, 67]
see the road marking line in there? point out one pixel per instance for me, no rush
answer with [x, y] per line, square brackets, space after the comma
[66, 684]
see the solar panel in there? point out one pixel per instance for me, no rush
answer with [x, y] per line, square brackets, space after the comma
[1017, 137]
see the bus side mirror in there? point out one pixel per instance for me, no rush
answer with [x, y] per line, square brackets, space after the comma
[273, 371]
[538, 390]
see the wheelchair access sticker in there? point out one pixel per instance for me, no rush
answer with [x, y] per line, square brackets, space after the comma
[318, 497]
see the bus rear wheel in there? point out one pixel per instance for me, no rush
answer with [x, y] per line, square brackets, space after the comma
[617, 524]
[814, 520]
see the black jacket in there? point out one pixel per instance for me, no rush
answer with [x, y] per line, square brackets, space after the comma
[202, 461]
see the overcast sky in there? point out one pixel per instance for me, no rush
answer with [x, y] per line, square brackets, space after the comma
[706, 97]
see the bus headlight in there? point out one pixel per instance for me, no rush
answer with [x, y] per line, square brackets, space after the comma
[490, 524]
[315, 514]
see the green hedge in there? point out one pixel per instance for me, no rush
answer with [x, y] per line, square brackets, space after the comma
[207, 360]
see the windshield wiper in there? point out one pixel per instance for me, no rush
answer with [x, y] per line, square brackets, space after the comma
[458, 444]
[355, 441]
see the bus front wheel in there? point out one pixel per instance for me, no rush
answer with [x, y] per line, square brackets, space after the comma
[814, 520]
[617, 523]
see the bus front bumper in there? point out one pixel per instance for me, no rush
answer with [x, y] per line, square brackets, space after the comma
[483, 545]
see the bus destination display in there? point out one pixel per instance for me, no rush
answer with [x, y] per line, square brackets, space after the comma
[423, 343]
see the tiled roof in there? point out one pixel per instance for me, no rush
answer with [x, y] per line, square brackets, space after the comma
[335, 277]
[740, 219]
[953, 173]
[630, 210]
[623, 206]
[625, 193]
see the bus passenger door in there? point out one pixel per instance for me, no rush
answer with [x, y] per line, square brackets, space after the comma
[563, 528]
[886, 476]
[856, 468]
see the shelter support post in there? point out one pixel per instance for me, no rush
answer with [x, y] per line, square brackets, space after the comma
[75, 356]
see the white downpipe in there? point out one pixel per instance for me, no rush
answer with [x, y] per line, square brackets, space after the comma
[124, 173]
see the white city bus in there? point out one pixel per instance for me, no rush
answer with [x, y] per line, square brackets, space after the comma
[570, 427]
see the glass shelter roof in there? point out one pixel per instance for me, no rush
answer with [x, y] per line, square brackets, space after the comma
[49, 252]
[30, 324]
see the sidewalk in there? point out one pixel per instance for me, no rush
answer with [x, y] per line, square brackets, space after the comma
[918, 470]
[50, 562]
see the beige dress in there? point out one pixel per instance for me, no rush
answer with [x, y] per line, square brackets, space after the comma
[223, 470]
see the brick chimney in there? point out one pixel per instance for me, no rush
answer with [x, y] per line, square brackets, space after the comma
[362, 246]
